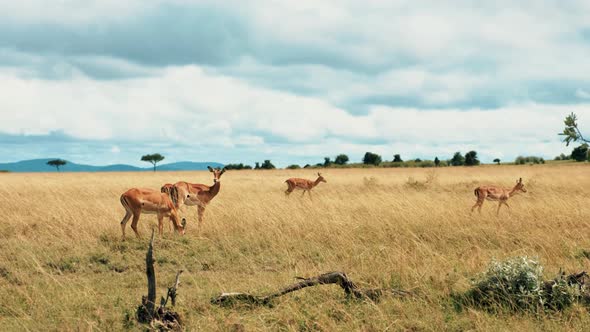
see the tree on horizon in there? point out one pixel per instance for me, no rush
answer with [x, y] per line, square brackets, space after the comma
[341, 159]
[371, 158]
[153, 159]
[56, 163]
[471, 159]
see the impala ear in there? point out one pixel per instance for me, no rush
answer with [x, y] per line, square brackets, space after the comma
[223, 170]
[210, 169]
[520, 180]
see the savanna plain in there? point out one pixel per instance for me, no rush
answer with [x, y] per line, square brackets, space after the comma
[64, 267]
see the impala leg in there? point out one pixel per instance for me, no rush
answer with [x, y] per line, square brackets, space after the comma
[134, 223]
[126, 218]
[288, 191]
[478, 205]
[160, 223]
[499, 206]
[303, 193]
[506, 203]
[309, 192]
[201, 212]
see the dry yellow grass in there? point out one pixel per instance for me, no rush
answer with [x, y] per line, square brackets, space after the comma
[63, 265]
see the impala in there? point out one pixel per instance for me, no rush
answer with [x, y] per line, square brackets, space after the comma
[493, 193]
[139, 200]
[191, 194]
[303, 184]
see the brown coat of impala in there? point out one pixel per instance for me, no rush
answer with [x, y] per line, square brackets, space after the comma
[139, 200]
[192, 194]
[303, 184]
[494, 193]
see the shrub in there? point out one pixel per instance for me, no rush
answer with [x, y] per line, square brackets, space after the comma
[517, 284]
[237, 166]
[397, 158]
[520, 160]
[294, 166]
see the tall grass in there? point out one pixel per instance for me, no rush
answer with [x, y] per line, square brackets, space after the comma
[63, 266]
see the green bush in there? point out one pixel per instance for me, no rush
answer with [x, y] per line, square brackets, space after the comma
[517, 284]
[294, 166]
[520, 160]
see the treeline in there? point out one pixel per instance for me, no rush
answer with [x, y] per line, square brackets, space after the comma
[371, 159]
[579, 153]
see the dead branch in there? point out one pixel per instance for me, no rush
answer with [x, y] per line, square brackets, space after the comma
[163, 318]
[145, 312]
[339, 278]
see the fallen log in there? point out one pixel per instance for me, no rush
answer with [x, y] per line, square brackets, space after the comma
[340, 278]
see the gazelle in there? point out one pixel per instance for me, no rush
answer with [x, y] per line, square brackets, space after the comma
[139, 200]
[303, 184]
[493, 193]
[199, 194]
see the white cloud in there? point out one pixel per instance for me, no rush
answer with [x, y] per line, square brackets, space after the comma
[115, 149]
[581, 93]
[304, 64]
[185, 105]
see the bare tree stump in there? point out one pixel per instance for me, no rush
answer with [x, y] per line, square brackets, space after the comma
[340, 278]
[163, 318]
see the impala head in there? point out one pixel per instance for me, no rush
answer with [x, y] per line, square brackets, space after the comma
[519, 186]
[178, 226]
[321, 178]
[217, 172]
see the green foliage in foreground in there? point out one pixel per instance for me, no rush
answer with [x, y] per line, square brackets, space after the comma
[517, 284]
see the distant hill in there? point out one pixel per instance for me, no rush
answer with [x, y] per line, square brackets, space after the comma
[40, 165]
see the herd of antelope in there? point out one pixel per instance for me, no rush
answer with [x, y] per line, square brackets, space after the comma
[171, 197]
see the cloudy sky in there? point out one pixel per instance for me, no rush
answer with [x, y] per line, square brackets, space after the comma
[105, 81]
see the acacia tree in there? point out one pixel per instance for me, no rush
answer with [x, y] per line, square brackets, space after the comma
[56, 163]
[436, 161]
[153, 159]
[497, 161]
[397, 158]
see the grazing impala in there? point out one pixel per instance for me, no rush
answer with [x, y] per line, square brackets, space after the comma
[136, 200]
[303, 184]
[493, 193]
[199, 194]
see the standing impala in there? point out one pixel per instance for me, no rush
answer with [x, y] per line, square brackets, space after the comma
[138, 200]
[493, 193]
[303, 184]
[199, 194]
